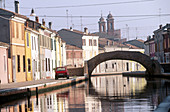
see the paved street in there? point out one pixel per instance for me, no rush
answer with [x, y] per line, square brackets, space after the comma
[29, 84]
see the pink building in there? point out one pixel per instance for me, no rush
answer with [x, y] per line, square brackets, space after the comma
[74, 56]
[4, 63]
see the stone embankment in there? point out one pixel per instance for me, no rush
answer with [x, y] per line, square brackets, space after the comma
[13, 91]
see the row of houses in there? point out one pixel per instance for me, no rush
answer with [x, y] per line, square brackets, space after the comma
[34, 49]
[158, 46]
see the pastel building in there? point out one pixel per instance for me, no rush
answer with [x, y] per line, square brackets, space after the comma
[28, 56]
[4, 63]
[88, 42]
[74, 56]
[13, 34]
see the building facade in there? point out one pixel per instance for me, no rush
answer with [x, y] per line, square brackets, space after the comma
[84, 40]
[4, 63]
[74, 56]
[13, 34]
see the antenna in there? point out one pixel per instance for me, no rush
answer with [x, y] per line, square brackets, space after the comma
[81, 23]
[101, 13]
[4, 4]
[67, 18]
[127, 32]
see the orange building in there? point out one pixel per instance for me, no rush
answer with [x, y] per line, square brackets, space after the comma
[13, 34]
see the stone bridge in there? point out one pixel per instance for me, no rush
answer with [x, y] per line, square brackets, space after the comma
[152, 66]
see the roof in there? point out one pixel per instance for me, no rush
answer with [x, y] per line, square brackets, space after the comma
[4, 44]
[79, 32]
[104, 42]
[12, 13]
[110, 16]
[71, 47]
[132, 46]
[137, 43]
[149, 40]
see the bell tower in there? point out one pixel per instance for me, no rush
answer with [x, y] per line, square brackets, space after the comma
[110, 24]
[102, 25]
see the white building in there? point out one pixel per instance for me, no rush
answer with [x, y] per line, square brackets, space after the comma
[35, 55]
[88, 42]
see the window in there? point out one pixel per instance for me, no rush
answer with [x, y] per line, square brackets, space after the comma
[27, 40]
[84, 42]
[18, 59]
[164, 42]
[90, 42]
[112, 65]
[55, 45]
[29, 65]
[23, 63]
[51, 44]
[103, 28]
[106, 66]
[111, 25]
[35, 43]
[46, 64]
[22, 29]
[95, 43]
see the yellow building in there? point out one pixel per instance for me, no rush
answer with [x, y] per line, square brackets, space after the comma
[28, 55]
[18, 49]
[58, 51]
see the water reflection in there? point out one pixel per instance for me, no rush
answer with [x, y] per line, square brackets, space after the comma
[101, 94]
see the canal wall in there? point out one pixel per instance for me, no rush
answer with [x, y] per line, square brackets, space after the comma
[26, 91]
[76, 71]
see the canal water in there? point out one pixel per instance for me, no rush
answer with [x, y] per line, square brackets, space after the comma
[102, 94]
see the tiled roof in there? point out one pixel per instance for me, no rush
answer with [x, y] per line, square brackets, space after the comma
[16, 14]
[80, 32]
[138, 43]
[132, 46]
[70, 47]
[104, 42]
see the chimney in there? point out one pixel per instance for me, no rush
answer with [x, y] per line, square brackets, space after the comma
[16, 7]
[71, 29]
[85, 30]
[50, 23]
[43, 22]
[160, 26]
[37, 19]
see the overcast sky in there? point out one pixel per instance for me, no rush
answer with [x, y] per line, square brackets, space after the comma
[139, 27]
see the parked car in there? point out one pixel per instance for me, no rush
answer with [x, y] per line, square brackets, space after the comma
[61, 72]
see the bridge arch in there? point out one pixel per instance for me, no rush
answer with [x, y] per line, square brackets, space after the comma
[152, 66]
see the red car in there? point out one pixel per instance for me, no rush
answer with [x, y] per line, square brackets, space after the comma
[61, 72]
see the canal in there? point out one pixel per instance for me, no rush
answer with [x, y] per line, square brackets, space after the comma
[113, 93]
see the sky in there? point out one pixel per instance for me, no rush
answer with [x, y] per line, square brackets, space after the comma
[135, 18]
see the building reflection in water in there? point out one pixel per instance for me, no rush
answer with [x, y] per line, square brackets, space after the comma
[103, 94]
